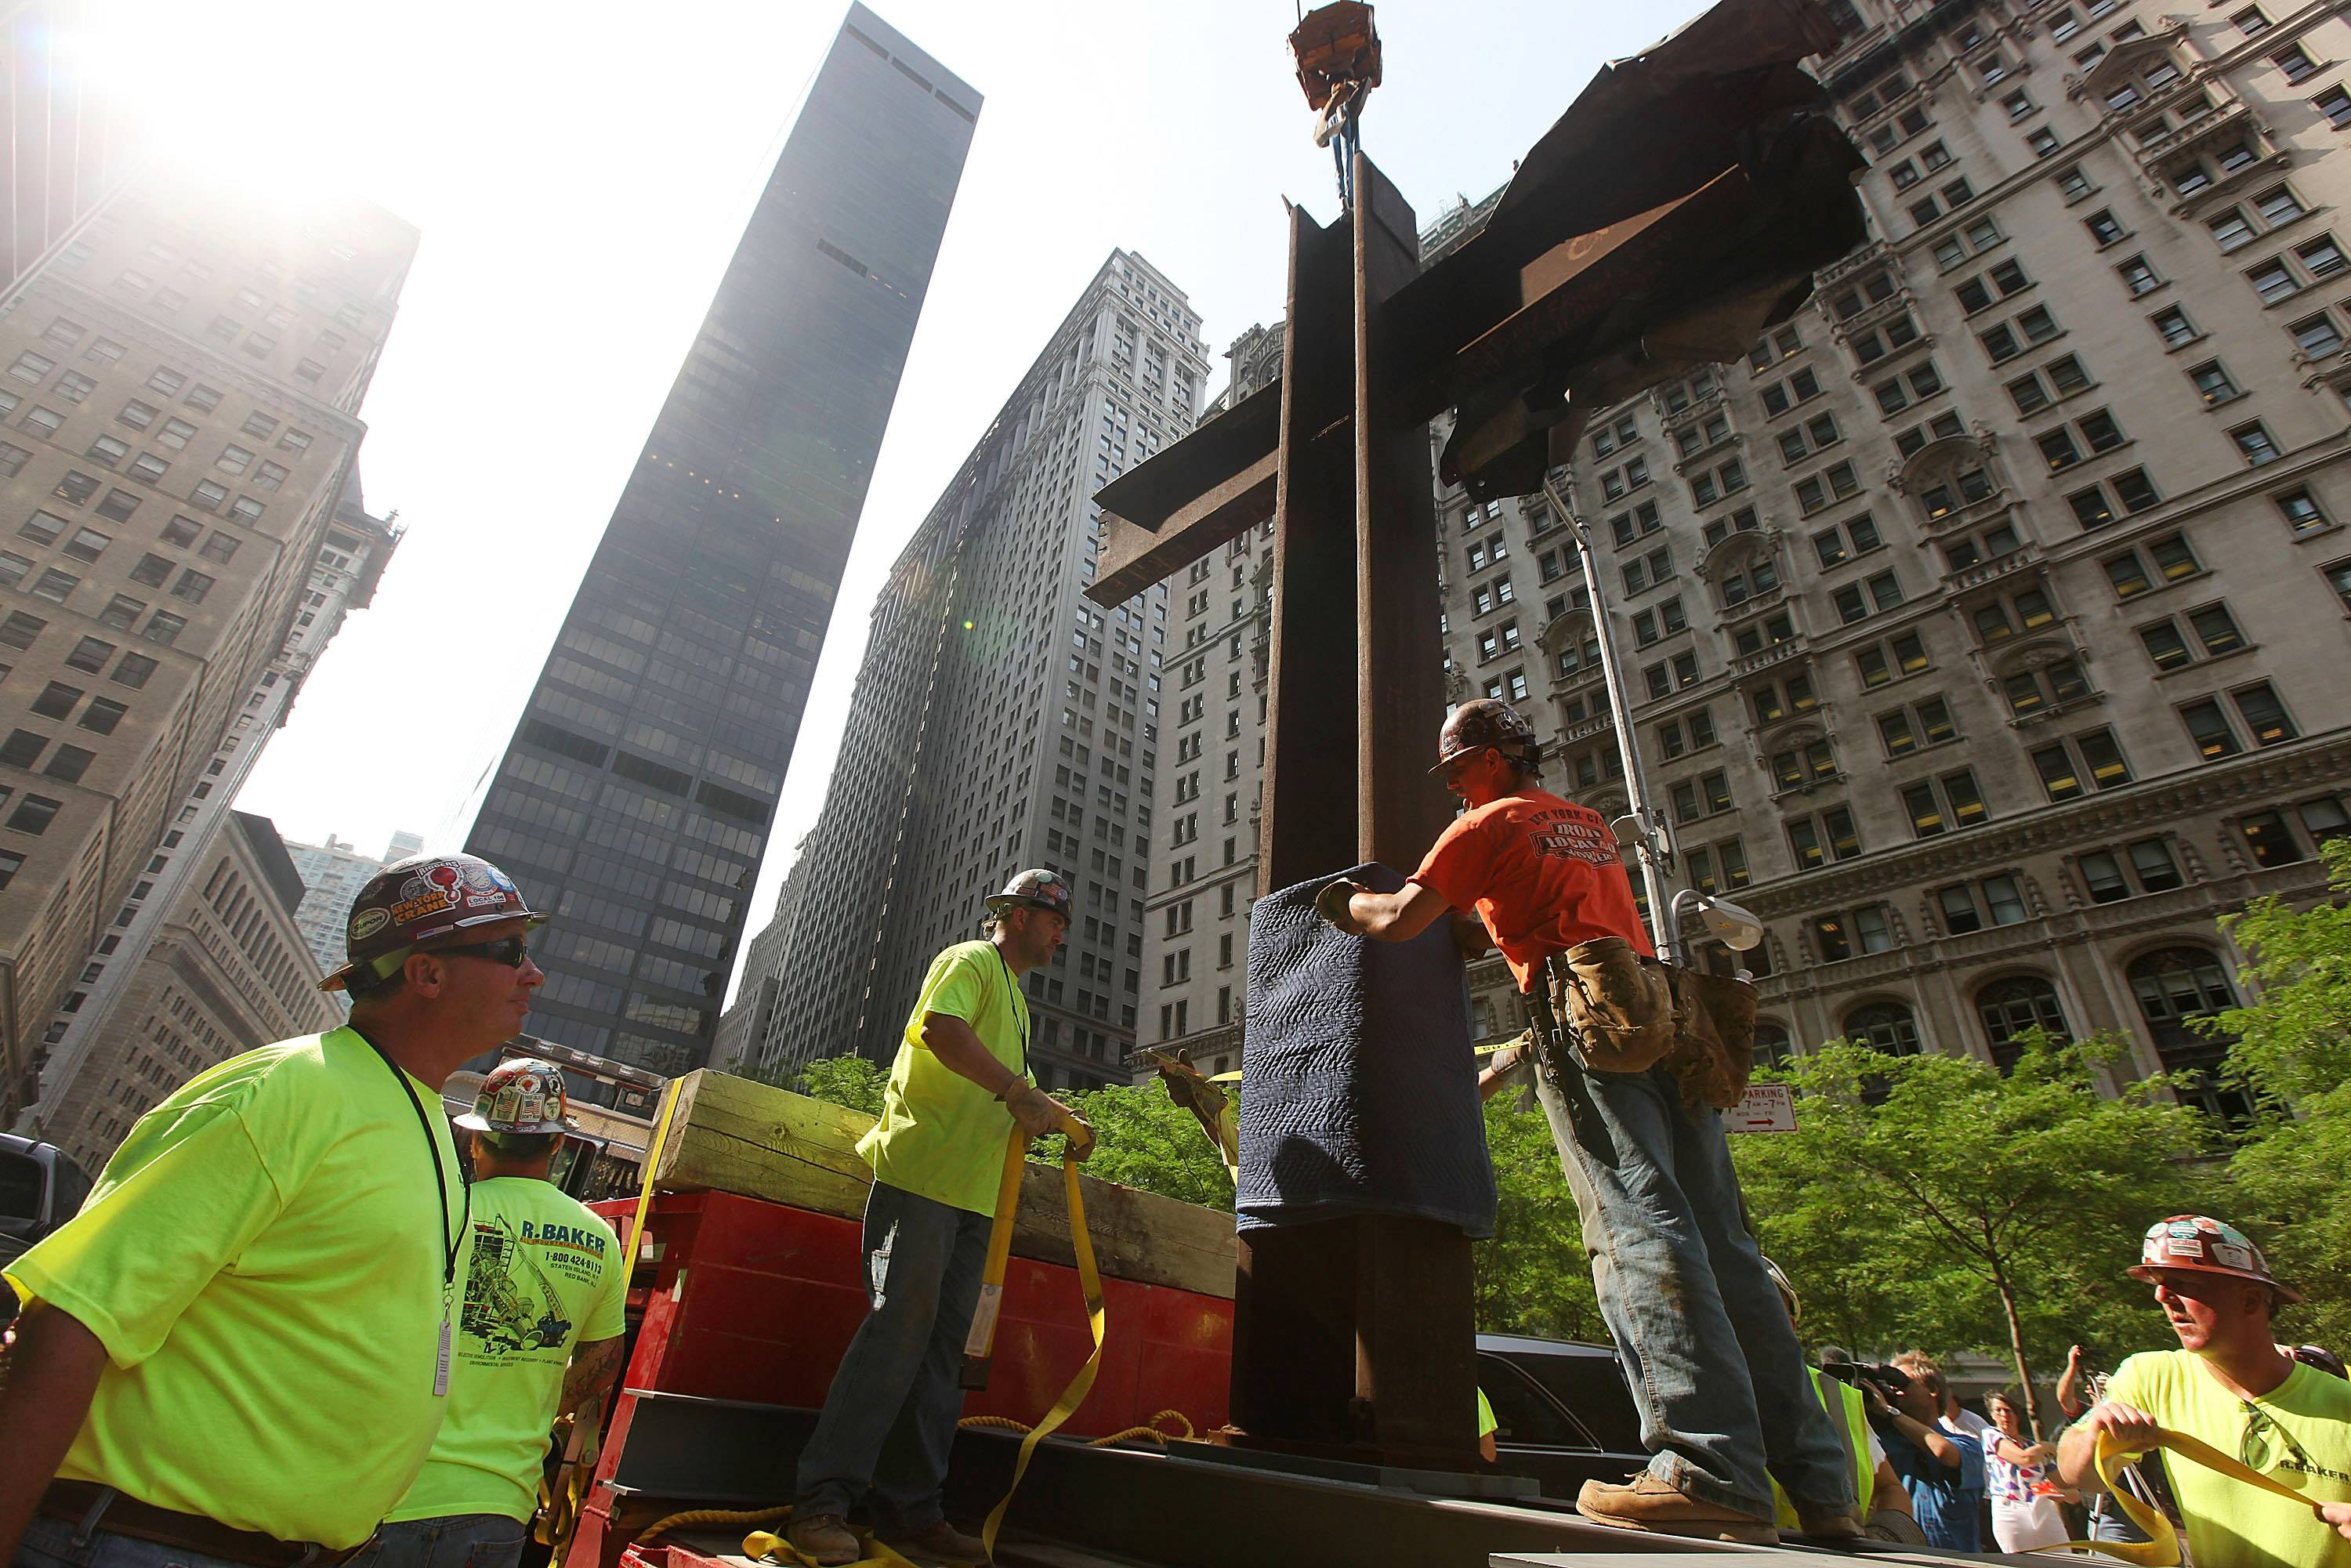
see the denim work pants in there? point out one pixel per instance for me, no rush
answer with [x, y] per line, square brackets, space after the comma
[890, 1417]
[456, 1541]
[50, 1543]
[1715, 1369]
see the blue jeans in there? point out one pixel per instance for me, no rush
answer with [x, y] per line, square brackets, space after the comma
[59, 1544]
[890, 1417]
[1715, 1369]
[456, 1541]
[50, 1543]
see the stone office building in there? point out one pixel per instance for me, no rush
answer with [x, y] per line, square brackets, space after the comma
[224, 970]
[1000, 720]
[179, 393]
[87, 1036]
[1983, 627]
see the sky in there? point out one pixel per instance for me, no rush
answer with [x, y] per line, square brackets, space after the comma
[580, 176]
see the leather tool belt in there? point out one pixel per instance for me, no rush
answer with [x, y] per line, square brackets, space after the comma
[1613, 1009]
[78, 1500]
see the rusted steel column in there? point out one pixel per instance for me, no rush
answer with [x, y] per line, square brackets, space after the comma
[1352, 1337]
[1310, 810]
[1415, 1330]
[1400, 654]
[1417, 1341]
[1293, 1296]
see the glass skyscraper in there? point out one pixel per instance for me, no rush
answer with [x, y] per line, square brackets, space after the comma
[635, 797]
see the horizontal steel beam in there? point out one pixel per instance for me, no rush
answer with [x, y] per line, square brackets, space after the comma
[1136, 555]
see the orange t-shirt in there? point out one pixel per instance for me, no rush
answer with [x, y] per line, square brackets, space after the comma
[1543, 873]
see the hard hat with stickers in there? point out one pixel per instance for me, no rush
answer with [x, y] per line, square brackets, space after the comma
[2195, 1243]
[425, 902]
[523, 1096]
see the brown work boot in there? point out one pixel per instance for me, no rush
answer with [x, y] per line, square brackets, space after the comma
[1826, 1523]
[942, 1542]
[824, 1539]
[1649, 1503]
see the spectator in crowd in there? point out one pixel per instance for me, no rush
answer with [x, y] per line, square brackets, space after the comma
[1883, 1510]
[2018, 1474]
[1941, 1466]
[2228, 1385]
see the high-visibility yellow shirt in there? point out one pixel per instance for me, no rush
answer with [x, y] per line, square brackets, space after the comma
[547, 1275]
[2298, 1433]
[263, 1261]
[942, 1136]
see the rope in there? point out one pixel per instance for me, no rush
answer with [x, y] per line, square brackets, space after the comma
[710, 1516]
[1149, 1431]
[2161, 1548]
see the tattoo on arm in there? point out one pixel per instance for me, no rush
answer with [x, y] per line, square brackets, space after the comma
[593, 1367]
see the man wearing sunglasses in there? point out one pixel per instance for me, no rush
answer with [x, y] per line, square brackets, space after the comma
[238, 1351]
[2230, 1385]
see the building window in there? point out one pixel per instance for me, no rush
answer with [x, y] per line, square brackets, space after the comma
[2256, 707]
[1817, 840]
[2254, 445]
[2174, 987]
[2009, 1008]
[2295, 62]
[1887, 1027]
[1940, 805]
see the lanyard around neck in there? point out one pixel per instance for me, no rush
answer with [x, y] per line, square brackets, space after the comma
[431, 1152]
[1020, 1007]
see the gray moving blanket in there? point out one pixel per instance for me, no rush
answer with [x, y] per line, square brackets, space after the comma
[1360, 1090]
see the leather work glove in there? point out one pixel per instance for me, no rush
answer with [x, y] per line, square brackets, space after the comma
[1040, 1114]
[1332, 903]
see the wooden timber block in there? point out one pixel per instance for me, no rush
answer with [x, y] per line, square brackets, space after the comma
[733, 1135]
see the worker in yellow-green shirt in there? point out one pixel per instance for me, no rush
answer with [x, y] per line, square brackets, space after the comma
[2230, 1385]
[958, 1085]
[540, 1334]
[238, 1351]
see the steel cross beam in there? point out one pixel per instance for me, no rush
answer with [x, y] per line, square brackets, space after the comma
[1679, 208]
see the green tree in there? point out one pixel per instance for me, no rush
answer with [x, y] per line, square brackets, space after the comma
[1143, 1139]
[1534, 1277]
[1978, 1211]
[850, 1081]
[2295, 1040]
[2293, 1047]
[773, 1077]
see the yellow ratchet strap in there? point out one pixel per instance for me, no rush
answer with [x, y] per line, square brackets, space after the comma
[2161, 1550]
[1090, 1283]
[765, 1546]
[636, 1245]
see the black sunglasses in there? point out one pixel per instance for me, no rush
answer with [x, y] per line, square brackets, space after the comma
[508, 950]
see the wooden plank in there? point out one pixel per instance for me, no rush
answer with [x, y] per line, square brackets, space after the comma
[732, 1134]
